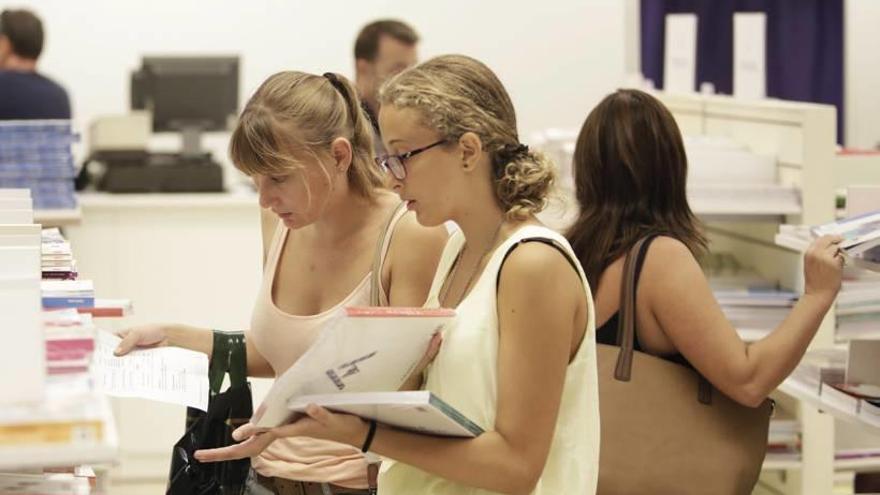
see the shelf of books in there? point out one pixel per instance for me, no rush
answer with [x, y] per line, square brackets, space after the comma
[754, 165]
[53, 421]
[775, 159]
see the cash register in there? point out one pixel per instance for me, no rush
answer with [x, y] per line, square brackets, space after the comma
[186, 95]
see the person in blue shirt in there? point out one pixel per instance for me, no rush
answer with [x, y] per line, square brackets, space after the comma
[26, 94]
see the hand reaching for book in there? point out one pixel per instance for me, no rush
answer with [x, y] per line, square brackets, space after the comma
[823, 267]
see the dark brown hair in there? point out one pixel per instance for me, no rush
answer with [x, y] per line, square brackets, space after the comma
[24, 31]
[366, 47]
[630, 173]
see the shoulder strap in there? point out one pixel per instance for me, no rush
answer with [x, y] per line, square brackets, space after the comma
[626, 329]
[377, 296]
[229, 354]
[544, 240]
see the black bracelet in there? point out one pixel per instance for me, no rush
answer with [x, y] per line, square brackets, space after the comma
[370, 434]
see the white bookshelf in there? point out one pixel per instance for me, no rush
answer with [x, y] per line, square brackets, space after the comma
[58, 218]
[27, 457]
[19, 457]
[801, 137]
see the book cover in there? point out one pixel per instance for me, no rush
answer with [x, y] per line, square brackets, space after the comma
[419, 411]
[358, 350]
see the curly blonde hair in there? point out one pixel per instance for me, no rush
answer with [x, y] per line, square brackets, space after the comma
[293, 113]
[455, 94]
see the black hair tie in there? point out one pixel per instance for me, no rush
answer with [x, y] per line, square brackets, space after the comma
[513, 151]
[507, 154]
[340, 88]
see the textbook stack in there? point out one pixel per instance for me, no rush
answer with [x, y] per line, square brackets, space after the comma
[755, 312]
[75, 483]
[753, 305]
[858, 306]
[57, 259]
[62, 294]
[784, 440]
[71, 426]
[36, 155]
[70, 341]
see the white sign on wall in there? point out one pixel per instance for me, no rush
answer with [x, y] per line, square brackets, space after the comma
[680, 53]
[750, 55]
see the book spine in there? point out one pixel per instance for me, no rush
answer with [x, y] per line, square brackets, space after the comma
[68, 302]
[76, 432]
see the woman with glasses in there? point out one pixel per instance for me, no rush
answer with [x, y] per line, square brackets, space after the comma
[308, 147]
[520, 358]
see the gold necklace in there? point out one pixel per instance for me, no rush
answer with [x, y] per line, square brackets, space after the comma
[445, 292]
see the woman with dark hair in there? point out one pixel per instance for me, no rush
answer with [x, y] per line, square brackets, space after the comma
[630, 173]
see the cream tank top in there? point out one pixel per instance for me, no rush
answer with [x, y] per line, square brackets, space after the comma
[282, 338]
[464, 374]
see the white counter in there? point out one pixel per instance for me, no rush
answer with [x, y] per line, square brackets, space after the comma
[187, 258]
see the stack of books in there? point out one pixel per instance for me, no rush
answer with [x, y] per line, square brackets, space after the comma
[755, 312]
[45, 483]
[57, 259]
[61, 294]
[784, 440]
[858, 306]
[71, 417]
[36, 155]
[754, 305]
[70, 341]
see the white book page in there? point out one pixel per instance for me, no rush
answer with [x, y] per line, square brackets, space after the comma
[165, 374]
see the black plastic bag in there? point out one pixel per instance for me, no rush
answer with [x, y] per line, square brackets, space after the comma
[212, 429]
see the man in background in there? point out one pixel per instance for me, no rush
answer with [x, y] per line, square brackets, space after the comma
[24, 93]
[382, 49]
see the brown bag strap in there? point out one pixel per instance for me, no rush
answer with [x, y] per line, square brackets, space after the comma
[626, 329]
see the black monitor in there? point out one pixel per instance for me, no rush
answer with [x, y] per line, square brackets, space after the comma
[189, 95]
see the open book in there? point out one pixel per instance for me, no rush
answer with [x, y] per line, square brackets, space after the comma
[419, 411]
[861, 238]
[359, 350]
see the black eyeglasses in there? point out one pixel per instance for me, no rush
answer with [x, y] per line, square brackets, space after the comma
[395, 163]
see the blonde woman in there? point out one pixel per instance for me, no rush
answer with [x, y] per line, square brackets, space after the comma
[520, 359]
[308, 147]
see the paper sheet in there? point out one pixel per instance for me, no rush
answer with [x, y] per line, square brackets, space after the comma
[165, 374]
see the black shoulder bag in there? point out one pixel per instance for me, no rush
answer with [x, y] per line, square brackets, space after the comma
[212, 429]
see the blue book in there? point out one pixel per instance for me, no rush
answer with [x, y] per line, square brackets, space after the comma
[68, 302]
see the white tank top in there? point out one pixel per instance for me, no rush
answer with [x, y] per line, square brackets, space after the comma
[464, 374]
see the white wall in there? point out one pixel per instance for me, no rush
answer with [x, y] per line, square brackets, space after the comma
[556, 59]
[862, 73]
